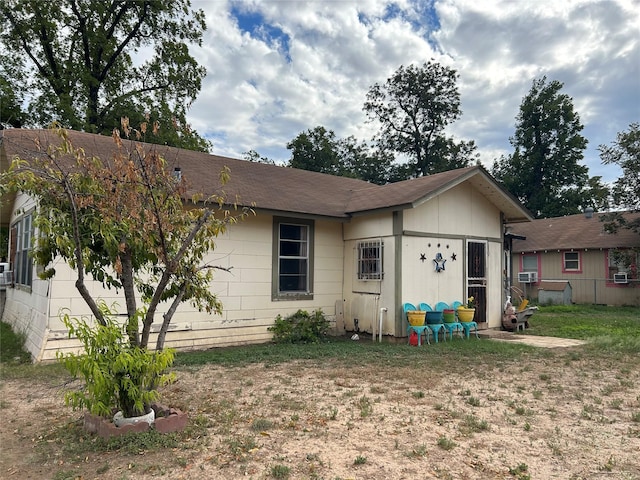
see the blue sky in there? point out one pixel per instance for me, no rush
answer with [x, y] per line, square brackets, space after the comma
[277, 68]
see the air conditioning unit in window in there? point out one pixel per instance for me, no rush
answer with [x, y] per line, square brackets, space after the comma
[620, 278]
[528, 277]
[6, 276]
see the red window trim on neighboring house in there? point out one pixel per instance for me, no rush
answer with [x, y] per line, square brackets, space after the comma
[538, 263]
[608, 274]
[530, 254]
[572, 271]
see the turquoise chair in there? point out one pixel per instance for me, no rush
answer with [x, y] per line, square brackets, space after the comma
[440, 306]
[434, 329]
[419, 329]
[466, 326]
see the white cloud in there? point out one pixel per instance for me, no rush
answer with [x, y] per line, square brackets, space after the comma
[311, 63]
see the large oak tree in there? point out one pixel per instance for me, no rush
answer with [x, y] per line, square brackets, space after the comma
[544, 171]
[87, 63]
[413, 107]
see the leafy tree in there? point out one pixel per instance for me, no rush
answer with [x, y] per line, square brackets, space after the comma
[253, 156]
[360, 161]
[11, 112]
[319, 150]
[625, 152]
[124, 220]
[316, 150]
[80, 62]
[413, 107]
[543, 172]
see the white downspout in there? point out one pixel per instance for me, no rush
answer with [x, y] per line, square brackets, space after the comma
[382, 311]
[373, 322]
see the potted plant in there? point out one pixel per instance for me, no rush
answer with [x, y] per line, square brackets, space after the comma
[468, 311]
[119, 377]
[416, 317]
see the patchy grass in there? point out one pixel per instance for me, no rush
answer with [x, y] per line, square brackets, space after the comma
[605, 327]
[12, 346]
[268, 411]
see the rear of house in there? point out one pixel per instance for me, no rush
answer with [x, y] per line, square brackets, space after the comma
[601, 267]
[356, 251]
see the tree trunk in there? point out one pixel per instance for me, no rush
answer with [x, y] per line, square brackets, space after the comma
[126, 277]
[168, 316]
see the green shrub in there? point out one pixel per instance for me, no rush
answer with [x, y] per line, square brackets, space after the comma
[300, 327]
[117, 374]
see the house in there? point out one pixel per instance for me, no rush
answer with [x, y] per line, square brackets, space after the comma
[577, 249]
[355, 250]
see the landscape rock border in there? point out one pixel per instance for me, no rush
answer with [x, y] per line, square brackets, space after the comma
[168, 420]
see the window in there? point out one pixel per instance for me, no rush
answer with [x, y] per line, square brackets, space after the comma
[370, 260]
[529, 263]
[571, 262]
[623, 261]
[23, 264]
[293, 256]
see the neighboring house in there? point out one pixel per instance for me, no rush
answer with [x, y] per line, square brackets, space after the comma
[576, 248]
[355, 250]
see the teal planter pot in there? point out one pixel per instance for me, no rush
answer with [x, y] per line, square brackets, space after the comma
[435, 317]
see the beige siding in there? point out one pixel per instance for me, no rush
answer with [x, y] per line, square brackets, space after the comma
[590, 285]
[457, 215]
[370, 226]
[460, 211]
[363, 299]
[447, 220]
[244, 290]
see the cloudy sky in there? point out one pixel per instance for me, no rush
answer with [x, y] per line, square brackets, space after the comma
[277, 68]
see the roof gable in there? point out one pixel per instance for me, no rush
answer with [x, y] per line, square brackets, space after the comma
[282, 189]
[413, 192]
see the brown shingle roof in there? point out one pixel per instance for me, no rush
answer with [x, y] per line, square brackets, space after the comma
[282, 189]
[553, 285]
[572, 231]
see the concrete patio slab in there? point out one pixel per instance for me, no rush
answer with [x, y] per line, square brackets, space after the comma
[533, 340]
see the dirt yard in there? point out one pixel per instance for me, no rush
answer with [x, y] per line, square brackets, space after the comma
[556, 416]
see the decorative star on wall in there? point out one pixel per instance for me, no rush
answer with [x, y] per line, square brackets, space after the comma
[439, 262]
[453, 257]
[423, 257]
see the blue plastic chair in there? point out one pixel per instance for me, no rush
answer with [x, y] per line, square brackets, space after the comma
[419, 329]
[466, 326]
[440, 306]
[433, 328]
